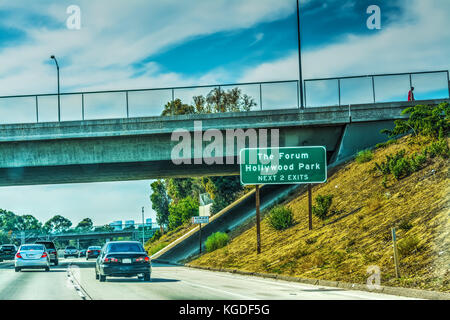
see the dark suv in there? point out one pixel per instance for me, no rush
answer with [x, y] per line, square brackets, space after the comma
[51, 249]
[7, 251]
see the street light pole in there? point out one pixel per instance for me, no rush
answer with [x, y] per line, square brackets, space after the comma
[143, 228]
[59, 97]
[300, 57]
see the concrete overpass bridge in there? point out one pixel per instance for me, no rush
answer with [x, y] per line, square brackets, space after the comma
[135, 234]
[138, 148]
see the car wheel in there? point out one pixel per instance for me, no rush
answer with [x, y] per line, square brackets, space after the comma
[87, 258]
[102, 278]
[96, 275]
[17, 269]
[147, 277]
[47, 269]
[56, 262]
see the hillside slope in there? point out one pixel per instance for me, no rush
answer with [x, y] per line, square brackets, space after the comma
[358, 234]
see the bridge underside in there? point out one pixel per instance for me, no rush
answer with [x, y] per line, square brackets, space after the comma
[140, 148]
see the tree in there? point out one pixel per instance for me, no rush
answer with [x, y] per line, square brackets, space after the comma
[8, 221]
[219, 101]
[176, 107]
[182, 211]
[57, 224]
[222, 190]
[160, 202]
[85, 225]
[28, 222]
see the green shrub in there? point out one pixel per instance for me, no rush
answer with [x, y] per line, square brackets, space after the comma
[400, 166]
[280, 218]
[405, 225]
[423, 120]
[408, 246]
[323, 204]
[156, 236]
[438, 148]
[364, 156]
[158, 247]
[216, 241]
[385, 144]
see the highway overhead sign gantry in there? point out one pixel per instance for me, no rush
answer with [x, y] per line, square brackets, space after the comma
[286, 165]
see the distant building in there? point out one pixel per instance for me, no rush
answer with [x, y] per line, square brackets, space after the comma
[148, 222]
[129, 223]
[117, 225]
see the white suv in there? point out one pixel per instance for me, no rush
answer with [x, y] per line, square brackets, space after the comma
[70, 252]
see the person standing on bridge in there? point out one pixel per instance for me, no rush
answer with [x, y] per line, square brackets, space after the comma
[411, 94]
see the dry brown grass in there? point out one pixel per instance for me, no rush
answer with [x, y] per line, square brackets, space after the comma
[342, 249]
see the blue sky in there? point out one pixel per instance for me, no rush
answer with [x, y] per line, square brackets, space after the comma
[149, 43]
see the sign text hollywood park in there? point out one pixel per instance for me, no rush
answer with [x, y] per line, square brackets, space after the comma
[288, 165]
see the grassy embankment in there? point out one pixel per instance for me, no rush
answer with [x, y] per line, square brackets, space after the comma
[357, 234]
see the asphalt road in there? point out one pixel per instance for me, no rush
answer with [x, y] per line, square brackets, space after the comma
[74, 279]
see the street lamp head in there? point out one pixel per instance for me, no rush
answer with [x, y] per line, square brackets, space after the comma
[52, 57]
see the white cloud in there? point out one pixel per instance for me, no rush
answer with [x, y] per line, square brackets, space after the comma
[114, 35]
[418, 42]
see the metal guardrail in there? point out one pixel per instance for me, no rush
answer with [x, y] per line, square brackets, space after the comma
[403, 81]
[92, 105]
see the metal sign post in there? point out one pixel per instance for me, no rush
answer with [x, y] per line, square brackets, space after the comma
[199, 220]
[394, 240]
[258, 218]
[310, 206]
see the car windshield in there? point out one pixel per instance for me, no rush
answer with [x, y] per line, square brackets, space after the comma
[32, 247]
[125, 247]
[94, 248]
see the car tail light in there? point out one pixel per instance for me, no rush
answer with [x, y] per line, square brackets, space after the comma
[142, 259]
[89, 251]
[18, 255]
[44, 255]
[109, 260]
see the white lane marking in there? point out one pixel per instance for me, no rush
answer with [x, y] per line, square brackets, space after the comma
[213, 289]
[303, 287]
[219, 290]
[73, 283]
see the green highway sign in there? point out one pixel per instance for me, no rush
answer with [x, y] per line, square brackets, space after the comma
[288, 165]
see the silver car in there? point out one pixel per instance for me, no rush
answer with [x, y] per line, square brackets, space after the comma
[32, 256]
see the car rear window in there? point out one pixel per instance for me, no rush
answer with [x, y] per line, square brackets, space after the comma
[94, 248]
[48, 245]
[71, 248]
[125, 247]
[8, 247]
[32, 247]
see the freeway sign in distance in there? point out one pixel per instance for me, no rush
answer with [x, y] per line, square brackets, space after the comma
[286, 165]
[200, 219]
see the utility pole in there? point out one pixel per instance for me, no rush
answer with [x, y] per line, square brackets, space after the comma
[300, 57]
[143, 228]
[59, 94]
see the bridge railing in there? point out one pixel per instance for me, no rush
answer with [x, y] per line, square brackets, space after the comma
[271, 95]
[376, 88]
